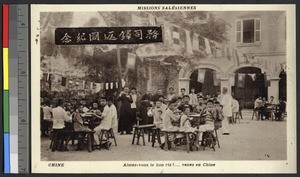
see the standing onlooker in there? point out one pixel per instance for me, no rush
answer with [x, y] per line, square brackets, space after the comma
[182, 91]
[171, 94]
[235, 110]
[158, 94]
[113, 111]
[125, 122]
[59, 118]
[227, 102]
[133, 105]
[143, 108]
[193, 98]
[47, 117]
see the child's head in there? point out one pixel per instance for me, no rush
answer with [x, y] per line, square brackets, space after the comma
[110, 100]
[95, 105]
[158, 103]
[80, 108]
[192, 90]
[172, 105]
[186, 99]
[210, 103]
[103, 101]
[186, 110]
[182, 90]
[218, 105]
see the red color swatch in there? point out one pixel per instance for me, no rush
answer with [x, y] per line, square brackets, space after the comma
[5, 25]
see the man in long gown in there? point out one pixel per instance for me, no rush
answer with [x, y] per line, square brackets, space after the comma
[125, 122]
[227, 103]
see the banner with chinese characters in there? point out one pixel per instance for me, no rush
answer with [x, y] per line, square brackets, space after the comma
[108, 35]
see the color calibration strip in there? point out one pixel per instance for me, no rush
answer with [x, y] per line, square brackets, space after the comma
[13, 87]
[6, 88]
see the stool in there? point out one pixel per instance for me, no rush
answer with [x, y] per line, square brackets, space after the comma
[57, 141]
[187, 139]
[155, 136]
[139, 131]
[236, 115]
[217, 138]
[167, 141]
[208, 139]
[256, 114]
[106, 134]
[112, 135]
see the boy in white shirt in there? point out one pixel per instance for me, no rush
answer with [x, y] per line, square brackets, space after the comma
[105, 124]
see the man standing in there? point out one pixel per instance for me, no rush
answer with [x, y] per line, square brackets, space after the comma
[227, 103]
[182, 91]
[158, 94]
[133, 105]
[59, 118]
[143, 108]
[171, 94]
[193, 98]
[125, 123]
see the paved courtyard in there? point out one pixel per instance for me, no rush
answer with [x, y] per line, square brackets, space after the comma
[249, 140]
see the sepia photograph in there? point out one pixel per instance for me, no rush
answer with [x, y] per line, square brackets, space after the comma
[158, 87]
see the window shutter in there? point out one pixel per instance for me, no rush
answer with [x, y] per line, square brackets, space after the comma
[257, 32]
[238, 31]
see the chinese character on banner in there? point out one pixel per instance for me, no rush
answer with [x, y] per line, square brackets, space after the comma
[94, 36]
[125, 35]
[66, 39]
[138, 34]
[81, 37]
[110, 36]
[152, 34]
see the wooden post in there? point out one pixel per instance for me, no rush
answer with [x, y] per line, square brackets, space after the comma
[119, 69]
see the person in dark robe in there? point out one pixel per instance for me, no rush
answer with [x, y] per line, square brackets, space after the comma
[125, 122]
[144, 107]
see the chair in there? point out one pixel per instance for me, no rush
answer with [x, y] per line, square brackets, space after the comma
[155, 136]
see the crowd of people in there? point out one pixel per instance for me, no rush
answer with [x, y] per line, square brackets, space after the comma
[271, 109]
[126, 110]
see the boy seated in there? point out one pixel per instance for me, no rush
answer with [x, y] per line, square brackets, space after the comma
[168, 118]
[80, 127]
[186, 126]
[106, 119]
[156, 112]
[211, 115]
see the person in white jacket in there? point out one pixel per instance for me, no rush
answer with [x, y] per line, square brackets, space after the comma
[113, 111]
[227, 103]
[106, 121]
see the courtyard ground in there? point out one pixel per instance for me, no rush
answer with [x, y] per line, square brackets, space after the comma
[249, 140]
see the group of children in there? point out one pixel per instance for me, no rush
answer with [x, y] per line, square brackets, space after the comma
[104, 118]
[178, 111]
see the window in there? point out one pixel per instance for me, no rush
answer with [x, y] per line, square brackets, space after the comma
[248, 31]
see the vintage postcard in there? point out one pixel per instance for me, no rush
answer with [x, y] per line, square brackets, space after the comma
[163, 88]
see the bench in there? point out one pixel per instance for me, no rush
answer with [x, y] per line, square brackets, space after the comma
[67, 135]
[139, 131]
[167, 139]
